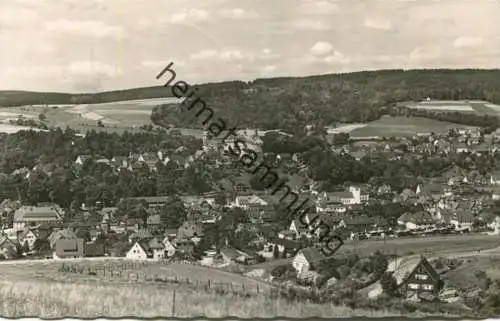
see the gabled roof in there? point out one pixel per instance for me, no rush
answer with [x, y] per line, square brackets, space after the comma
[312, 255]
[400, 275]
[61, 234]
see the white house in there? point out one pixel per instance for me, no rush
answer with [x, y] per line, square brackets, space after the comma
[169, 247]
[306, 259]
[246, 201]
[137, 252]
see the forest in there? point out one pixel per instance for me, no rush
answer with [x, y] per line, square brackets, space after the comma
[291, 103]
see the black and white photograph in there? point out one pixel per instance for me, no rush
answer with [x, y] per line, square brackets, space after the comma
[250, 159]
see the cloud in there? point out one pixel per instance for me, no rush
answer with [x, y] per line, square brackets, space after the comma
[238, 14]
[321, 48]
[190, 15]
[467, 42]
[223, 55]
[268, 69]
[377, 23]
[318, 7]
[309, 24]
[90, 28]
[337, 58]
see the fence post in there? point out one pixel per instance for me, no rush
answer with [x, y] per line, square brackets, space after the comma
[258, 288]
[173, 304]
[209, 284]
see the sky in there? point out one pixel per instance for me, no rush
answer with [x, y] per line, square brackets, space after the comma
[97, 45]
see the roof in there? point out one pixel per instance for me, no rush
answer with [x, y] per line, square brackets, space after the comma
[232, 253]
[61, 234]
[417, 218]
[38, 213]
[312, 254]
[402, 273]
[464, 216]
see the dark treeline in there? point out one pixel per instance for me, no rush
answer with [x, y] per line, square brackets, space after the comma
[290, 103]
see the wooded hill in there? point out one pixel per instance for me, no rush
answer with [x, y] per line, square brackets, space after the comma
[290, 103]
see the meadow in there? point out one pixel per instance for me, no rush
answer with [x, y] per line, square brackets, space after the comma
[400, 126]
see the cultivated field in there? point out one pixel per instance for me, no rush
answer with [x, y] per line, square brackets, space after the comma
[402, 126]
[117, 116]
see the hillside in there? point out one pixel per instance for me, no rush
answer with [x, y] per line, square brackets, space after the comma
[289, 103]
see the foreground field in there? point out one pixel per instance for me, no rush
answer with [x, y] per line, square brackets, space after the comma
[402, 127]
[56, 300]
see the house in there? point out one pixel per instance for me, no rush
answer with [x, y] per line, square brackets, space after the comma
[169, 246]
[463, 221]
[423, 278]
[153, 222]
[418, 220]
[184, 246]
[69, 248]
[307, 259]
[81, 159]
[64, 234]
[138, 251]
[229, 255]
[287, 246]
[149, 248]
[153, 201]
[27, 236]
[246, 201]
[27, 216]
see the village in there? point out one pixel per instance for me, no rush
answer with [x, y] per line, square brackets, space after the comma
[235, 223]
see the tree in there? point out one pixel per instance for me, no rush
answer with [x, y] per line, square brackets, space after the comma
[26, 247]
[173, 214]
[389, 284]
[276, 252]
[41, 246]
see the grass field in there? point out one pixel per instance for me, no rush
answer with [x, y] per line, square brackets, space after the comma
[33, 289]
[402, 127]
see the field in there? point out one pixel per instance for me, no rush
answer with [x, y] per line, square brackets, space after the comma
[478, 107]
[116, 116]
[37, 288]
[402, 127]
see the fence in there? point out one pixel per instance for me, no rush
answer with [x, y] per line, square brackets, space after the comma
[130, 272]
